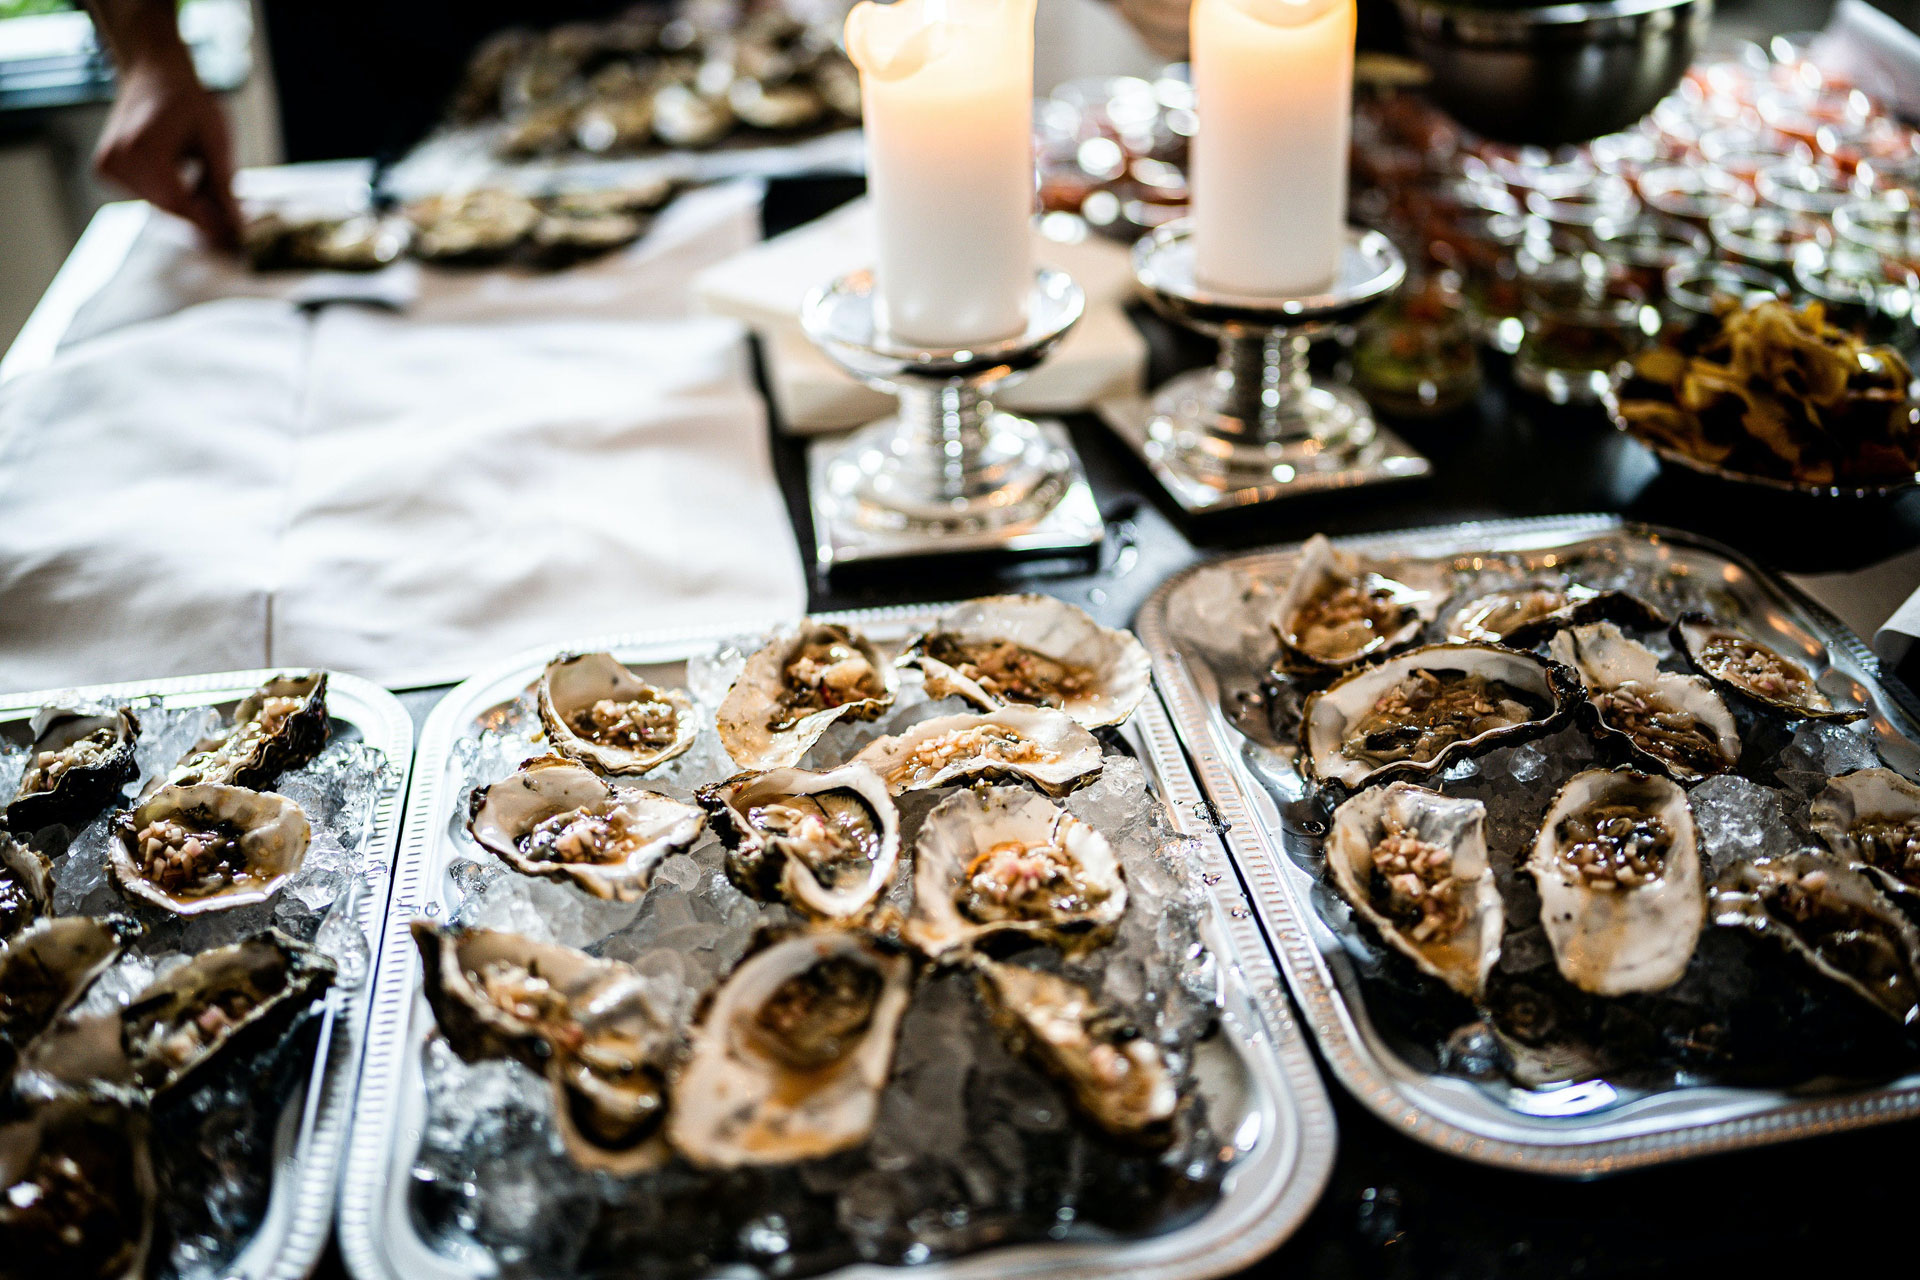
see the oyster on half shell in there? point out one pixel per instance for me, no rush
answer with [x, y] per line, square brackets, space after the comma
[1522, 617]
[1336, 610]
[1003, 860]
[1413, 864]
[204, 847]
[1832, 918]
[1413, 714]
[80, 759]
[26, 885]
[1032, 744]
[220, 1004]
[1671, 723]
[826, 842]
[46, 967]
[1115, 1075]
[1032, 650]
[592, 1027]
[558, 819]
[1731, 659]
[1617, 864]
[794, 687]
[789, 1060]
[76, 1192]
[279, 726]
[1871, 819]
[601, 714]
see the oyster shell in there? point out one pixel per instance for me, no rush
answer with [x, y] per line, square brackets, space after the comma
[80, 758]
[1118, 1077]
[791, 1055]
[592, 1027]
[1336, 610]
[486, 224]
[221, 1004]
[601, 714]
[1032, 650]
[77, 1192]
[1413, 864]
[685, 117]
[794, 687]
[1671, 723]
[1032, 744]
[26, 885]
[46, 967]
[1416, 713]
[1617, 863]
[1004, 860]
[775, 107]
[558, 819]
[1871, 819]
[826, 842]
[1834, 920]
[1522, 617]
[279, 726]
[1732, 660]
[207, 847]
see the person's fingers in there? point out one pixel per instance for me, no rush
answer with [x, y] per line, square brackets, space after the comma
[216, 176]
[151, 175]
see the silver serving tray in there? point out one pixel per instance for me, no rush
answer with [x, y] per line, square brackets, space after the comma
[1200, 627]
[1283, 1124]
[311, 1137]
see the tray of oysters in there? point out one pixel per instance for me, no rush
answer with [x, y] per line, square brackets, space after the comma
[897, 938]
[193, 873]
[1584, 845]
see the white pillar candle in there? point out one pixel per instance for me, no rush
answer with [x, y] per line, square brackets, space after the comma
[947, 91]
[1273, 91]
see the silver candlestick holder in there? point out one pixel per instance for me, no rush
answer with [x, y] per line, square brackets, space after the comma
[1256, 426]
[948, 472]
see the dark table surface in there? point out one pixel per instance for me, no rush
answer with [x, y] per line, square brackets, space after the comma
[1395, 1208]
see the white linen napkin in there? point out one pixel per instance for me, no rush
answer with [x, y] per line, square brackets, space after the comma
[461, 491]
[1103, 356]
[244, 484]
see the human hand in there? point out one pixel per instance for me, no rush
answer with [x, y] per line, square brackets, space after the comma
[166, 141]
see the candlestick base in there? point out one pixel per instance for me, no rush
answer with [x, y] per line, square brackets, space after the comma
[1256, 426]
[949, 472]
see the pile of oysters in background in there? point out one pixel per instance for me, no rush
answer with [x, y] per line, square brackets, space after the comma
[829, 930]
[156, 964]
[1574, 825]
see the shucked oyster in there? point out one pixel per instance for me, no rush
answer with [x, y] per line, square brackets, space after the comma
[1118, 1077]
[220, 1004]
[1004, 860]
[279, 726]
[1032, 744]
[1733, 660]
[26, 885]
[601, 714]
[46, 967]
[1834, 920]
[1032, 650]
[79, 760]
[1618, 868]
[1414, 714]
[794, 687]
[76, 1192]
[558, 819]
[1522, 617]
[592, 1027]
[207, 847]
[1413, 864]
[1673, 723]
[789, 1060]
[1335, 610]
[1871, 818]
[826, 842]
